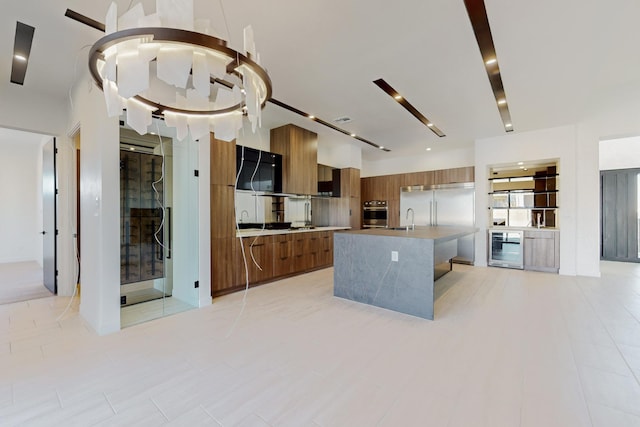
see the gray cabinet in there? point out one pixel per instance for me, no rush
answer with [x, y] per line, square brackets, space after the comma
[542, 250]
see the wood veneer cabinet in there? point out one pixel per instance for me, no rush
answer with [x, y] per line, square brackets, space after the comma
[223, 162]
[225, 256]
[350, 190]
[223, 223]
[259, 249]
[283, 263]
[325, 253]
[279, 256]
[225, 248]
[299, 150]
[542, 250]
[301, 261]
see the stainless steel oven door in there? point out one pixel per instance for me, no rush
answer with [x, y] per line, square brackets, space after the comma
[374, 217]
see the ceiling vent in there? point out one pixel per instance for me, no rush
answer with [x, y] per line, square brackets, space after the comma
[343, 119]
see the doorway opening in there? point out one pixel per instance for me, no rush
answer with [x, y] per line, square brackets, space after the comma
[620, 199]
[28, 223]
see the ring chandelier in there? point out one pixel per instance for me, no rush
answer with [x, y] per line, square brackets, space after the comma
[165, 64]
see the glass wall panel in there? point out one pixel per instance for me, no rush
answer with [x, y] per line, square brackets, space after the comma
[159, 225]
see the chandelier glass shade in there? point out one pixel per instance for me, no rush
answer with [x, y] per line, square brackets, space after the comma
[157, 65]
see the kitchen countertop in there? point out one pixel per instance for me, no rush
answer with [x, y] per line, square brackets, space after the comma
[253, 232]
[498, 227]
[440, 233]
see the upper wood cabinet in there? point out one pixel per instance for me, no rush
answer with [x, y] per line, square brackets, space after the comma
[387, 187]
[299, 150]
[223, 162]
[350, 191]
[455, 175]
[350, 182]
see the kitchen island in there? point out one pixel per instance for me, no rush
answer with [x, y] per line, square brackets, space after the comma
[394, 268]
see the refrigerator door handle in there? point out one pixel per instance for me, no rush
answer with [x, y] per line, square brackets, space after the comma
[435, 212]
[430, 212]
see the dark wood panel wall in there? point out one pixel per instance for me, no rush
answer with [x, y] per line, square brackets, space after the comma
[387, 187]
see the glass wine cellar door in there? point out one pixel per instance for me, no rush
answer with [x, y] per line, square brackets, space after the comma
[158, 226]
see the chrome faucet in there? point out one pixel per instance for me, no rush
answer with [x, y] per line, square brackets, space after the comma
[413, 214]
[244, 211]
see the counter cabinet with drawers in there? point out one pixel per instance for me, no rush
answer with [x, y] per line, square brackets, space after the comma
[536, 249]
[279, 255]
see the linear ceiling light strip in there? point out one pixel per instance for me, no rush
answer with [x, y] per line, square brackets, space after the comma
[21, 51]
[480, 23]
[84, 20]
[324, 123]
[386, 87]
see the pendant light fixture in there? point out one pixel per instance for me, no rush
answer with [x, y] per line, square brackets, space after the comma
[167, 64]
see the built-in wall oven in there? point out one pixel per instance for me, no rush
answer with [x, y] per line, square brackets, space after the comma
[506, 248]
[374, 214]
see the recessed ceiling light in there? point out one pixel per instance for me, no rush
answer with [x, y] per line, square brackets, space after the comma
[20, 58]
[507, 125]
[502, 101]
[381, 147]
[353, 135]
[521, 167]
[132, 149]
[397, 97]
[525, 169]
[520, 163]
[430, 125]
[491, 61]
[312, 116]
[429, 149]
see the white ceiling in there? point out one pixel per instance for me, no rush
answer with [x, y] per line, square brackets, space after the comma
[557, 57]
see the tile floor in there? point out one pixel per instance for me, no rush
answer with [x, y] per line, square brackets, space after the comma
[21, 281]
[507, 348]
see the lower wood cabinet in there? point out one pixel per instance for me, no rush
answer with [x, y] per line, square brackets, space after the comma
[301, 261]
[278, 256]
[325, 254]
[225, 253]
[542, 250]
[283, 260]
[259, 254]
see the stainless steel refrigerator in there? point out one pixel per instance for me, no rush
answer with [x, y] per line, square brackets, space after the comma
[450, 204]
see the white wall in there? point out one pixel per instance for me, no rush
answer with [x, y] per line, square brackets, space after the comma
[338, 154]
[99, 209]
[614, 116]
[556, 143]
[21, 201]
[621, 153]
[32, 112]
[432, 160]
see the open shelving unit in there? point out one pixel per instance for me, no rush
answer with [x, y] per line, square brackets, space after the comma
[524, 200]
